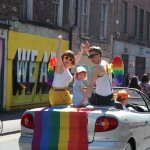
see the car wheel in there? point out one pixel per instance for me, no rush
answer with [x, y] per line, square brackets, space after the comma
[129, 146]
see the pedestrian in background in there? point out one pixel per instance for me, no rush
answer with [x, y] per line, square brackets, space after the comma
[138, 78]
[127, 80]
[145, 85]
[134, 83]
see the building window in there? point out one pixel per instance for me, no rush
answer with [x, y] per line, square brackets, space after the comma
[147, 25]
[141, 22]
[140, 66]
[125, 59]
[124, 17]
[134, 23]
[104, 19]
[58, 12]
[27, 9]
[85, 5]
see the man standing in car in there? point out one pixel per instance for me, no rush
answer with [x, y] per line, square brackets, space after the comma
[102, 77]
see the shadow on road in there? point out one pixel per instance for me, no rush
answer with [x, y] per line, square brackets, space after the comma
[11, 115]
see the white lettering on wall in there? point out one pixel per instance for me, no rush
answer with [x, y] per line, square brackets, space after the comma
[27, 58]
[31, 70]
[33, 55]
[21, 71]
[23, 55]
[43, 72]
[45, 59]
[28, 55]
[19, 54]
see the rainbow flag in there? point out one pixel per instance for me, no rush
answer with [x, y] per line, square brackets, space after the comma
[117, 67]
[51, 70]
[60, 129]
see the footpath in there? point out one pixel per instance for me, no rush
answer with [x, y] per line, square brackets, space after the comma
[11, 121]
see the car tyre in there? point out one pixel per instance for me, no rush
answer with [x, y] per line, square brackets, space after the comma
[129, 146]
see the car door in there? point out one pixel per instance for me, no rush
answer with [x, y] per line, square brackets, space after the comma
[147, 122]
[146, 140]
[142, 118]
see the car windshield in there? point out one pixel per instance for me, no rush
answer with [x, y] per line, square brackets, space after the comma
[136, 97]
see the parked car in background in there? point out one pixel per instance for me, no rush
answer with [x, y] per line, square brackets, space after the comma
[91, 128]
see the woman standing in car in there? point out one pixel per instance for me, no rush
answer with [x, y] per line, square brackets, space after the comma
[59, 93]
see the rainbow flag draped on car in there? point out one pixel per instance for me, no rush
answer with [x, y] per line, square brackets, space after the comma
[60, 129]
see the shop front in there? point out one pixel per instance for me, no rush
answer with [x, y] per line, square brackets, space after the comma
[27, 65]
[136, 57]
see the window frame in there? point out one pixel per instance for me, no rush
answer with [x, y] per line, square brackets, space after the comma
[124, 17]
[104, 20]
[134, 22]
[85, 10]
[147, 26]
[27, 9]
[141, 25]
[58, 13]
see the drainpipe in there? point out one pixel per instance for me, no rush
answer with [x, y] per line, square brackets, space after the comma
[73, 26]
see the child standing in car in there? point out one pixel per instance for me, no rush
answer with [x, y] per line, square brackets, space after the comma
[78, 87]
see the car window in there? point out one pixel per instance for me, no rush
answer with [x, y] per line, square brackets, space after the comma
[137, 99]
[147, 101]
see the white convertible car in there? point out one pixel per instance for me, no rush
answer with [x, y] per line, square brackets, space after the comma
[89, 128]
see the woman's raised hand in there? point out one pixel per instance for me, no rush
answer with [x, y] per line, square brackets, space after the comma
[58, 54]
[85, 46]
[59, 36]
[82, 46]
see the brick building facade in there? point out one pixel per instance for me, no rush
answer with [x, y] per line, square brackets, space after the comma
[131, 35]
[91, 22]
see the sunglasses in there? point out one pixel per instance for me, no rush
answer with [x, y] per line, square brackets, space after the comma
[92, 56]
[68, 58]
